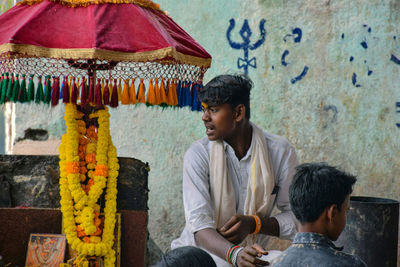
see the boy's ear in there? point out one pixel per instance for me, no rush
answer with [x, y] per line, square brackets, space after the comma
[240, 111]
[332, 211]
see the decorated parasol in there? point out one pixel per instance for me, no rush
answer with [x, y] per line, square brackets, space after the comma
[90, 55]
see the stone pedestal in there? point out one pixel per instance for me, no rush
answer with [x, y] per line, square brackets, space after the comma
[29, 203]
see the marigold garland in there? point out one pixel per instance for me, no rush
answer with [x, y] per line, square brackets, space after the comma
[88, 164]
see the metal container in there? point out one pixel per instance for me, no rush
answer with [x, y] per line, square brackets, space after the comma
[372, 231]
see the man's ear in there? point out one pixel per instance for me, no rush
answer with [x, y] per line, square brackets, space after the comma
[240, 112]
[332, 211]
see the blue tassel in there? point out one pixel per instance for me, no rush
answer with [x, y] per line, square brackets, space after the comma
[178, 93]
[188, 94]
[194, 97]
[200, 86]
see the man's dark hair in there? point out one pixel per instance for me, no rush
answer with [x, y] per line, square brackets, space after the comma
[228, 89]
[315, 187]
[186, 256]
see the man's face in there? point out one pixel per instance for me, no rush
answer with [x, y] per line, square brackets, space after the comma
[341, 219]
[219, 121]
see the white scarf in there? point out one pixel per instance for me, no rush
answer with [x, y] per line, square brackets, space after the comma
[260, 183]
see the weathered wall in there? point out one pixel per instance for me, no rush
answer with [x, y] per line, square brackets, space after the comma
[327, 77]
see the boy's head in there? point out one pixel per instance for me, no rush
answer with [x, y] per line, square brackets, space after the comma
[318, 189]
[227, 89]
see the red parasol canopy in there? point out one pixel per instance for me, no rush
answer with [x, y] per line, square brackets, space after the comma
[130, 39]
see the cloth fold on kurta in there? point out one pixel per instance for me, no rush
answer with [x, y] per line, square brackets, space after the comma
[260, 183]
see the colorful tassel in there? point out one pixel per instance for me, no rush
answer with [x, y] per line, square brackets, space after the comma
[157, 92]
[142, 89]
[132, 93]
[83, 92]
[65, 90]
[125, 94]
[16, 88]
[174, 90]
[119, 90]
[22, 97]
[106, 94]
[163, 96]
[74, 92]
[179, 93]
[10, 87]
[47, 92]
[1, 85]
[188, 94]
[198, 100]
[39, 97]
[151, 94]
[97, 95]
[114, 95]
[31, 89]
[102, 86]
[91, 90]
[55, 95]
[195, 98]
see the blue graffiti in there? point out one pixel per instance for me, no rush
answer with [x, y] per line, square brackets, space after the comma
[301, 76]
[245, 32]
[364, 44]
[398, 110]
[296, 33]
[285, 53]
[395, 59]
[354, 80]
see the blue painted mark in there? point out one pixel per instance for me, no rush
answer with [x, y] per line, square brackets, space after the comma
[285, 53]
[297, 33]
[351, 59]
[273, 67]
[365, 25]
[245, 32]
[398, 125]
[394, 37]
[354, 80]
[365, 62]
[301, 76]
[395, 59]
[369, 29]
[342, 35]
[369, 72]
[398, 107]
[364, 44]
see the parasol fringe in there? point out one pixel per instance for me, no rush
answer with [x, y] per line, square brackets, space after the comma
[16, 88]
[22, 97]
[163, 96]
[157, 92]
[55, 96]
[142, 89]
[106, 94]
[170, 94]
[83, 92]
[98, 95]
[39, 96]
[132, 93]
[119, 90]
[1, 86]
[85, 3]
[74, 92]
[91, 90]
[10, 87]
[114, 95]
[31, 89]
[174, 88]
[179, 93]
[47, 92]
[65, 90]
[151, 95]
[125, 94]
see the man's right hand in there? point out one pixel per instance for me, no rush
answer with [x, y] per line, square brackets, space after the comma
[249, 256]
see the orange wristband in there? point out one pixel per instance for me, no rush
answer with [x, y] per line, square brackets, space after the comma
[258, 224]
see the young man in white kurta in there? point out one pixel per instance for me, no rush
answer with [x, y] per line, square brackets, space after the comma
[198, 201]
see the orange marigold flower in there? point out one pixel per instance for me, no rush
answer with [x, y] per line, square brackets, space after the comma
[90, 182]
[72, 167]
[86, 239]
[81, 155]
[83, 170]
[82, 177]
[83, 140]
[101, 170]
[98, 231]
[90, 158]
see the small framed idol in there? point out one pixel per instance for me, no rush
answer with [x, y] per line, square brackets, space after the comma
[45, 250]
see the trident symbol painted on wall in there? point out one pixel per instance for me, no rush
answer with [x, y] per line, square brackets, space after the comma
[245, 33]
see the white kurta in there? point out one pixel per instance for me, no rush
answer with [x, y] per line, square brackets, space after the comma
[196, 189]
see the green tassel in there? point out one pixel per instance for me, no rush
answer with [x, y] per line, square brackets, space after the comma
[22, 95]
[1, 84]
[39, 92]
[31, 90]
[47, 97]
[15, 89]
[10, 84]
[4, 89]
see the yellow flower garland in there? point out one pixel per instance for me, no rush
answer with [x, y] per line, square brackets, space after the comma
[77, 207]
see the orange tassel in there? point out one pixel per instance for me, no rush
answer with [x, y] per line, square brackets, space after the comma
[163, 96]
[175, 95]
[132, 93]
[125, 93]
[170, 94]
[157, 91]
[151, 95]
[119, 91]
[141, 97]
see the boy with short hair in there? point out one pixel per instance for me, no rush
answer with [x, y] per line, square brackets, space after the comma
[319, 197]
